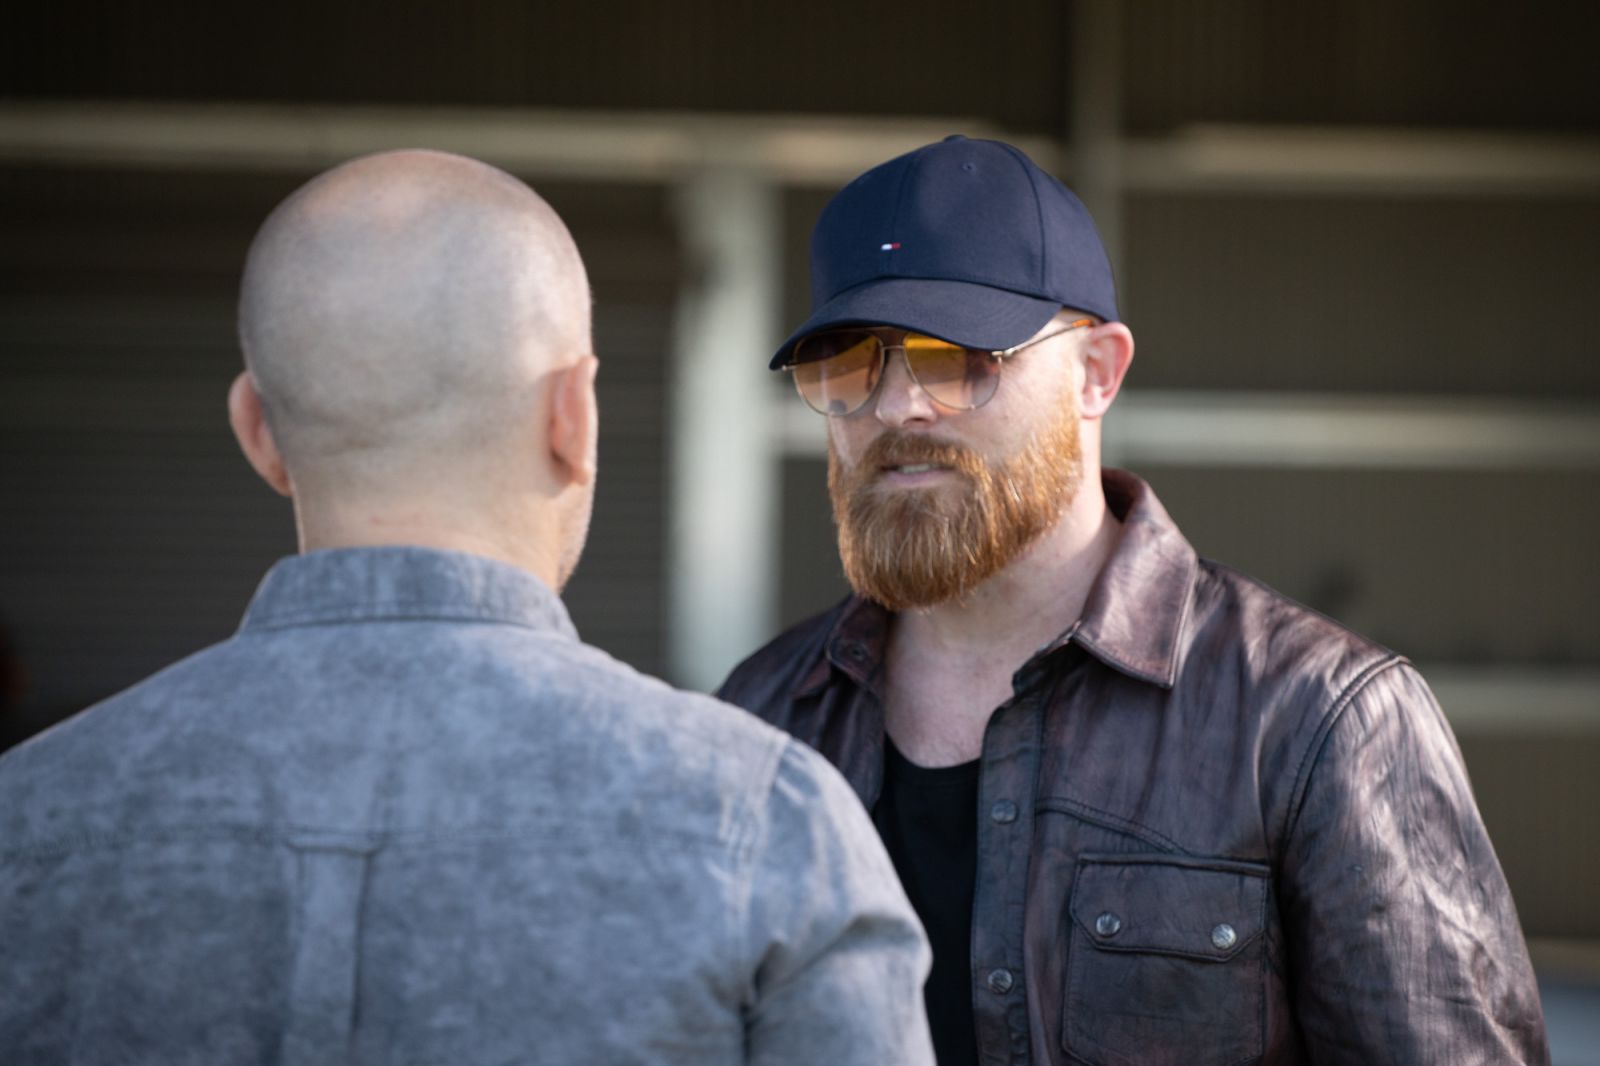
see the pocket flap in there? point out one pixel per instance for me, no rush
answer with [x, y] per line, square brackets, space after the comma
[1198, 908]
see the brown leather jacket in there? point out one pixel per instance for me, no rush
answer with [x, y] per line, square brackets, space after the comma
[1214, 827]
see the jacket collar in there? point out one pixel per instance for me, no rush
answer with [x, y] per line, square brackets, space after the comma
[858, 644]
[1137, 608]
[402, 583]
[1133, 620]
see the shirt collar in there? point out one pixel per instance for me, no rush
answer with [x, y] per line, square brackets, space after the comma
[855, 643]
[859, 642]
[1134, 617]
[1132, 621]
[402, 583]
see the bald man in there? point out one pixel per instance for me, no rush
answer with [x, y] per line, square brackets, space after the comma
[404, 815]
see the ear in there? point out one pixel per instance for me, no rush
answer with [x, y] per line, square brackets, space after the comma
[575, 422]
[1107, 353]
[249, 422]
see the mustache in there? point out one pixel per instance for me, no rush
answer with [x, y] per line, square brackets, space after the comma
[902, 449]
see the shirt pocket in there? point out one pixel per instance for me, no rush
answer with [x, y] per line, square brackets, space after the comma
[1165, 961]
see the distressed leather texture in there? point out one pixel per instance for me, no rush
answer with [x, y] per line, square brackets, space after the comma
[1242, 833]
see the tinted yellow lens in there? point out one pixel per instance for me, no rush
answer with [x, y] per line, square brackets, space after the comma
[954, 376]
[836, 371]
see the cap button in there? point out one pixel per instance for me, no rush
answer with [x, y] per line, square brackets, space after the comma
[955, 137]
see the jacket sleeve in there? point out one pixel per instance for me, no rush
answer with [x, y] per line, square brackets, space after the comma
[1402, 939]
[839, 958]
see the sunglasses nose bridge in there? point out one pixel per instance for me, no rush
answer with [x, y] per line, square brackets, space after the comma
[886, 350]
[899, 401]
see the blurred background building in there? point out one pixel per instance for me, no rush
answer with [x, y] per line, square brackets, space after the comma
[1358, 243]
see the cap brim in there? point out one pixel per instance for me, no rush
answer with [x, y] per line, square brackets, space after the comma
[961, 312]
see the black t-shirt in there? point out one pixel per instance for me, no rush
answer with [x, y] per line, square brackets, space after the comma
[928, 818]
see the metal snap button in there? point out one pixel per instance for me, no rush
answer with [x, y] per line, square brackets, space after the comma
[1107, 924]
[1000, 981]
[1223, 937]
[1003, 811]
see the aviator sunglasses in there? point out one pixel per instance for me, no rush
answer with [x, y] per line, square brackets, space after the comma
[836, 371]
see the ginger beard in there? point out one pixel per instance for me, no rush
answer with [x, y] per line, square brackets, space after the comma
[917, 547]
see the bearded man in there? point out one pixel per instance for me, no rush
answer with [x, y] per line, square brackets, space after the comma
[1149, 810]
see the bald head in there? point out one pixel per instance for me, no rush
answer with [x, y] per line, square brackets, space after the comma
[398, 314]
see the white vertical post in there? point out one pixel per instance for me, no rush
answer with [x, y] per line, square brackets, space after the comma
[722, 577]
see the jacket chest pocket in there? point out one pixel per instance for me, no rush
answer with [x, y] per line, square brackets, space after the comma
[1165, 961]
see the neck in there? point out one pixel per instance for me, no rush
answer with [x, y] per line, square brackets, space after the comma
[521, 541]
[1030, 602]
[949, 666]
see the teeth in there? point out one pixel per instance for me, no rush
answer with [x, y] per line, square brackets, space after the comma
[915, 468]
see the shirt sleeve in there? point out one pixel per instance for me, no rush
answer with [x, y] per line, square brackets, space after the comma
[1401, 935]
[839, 956]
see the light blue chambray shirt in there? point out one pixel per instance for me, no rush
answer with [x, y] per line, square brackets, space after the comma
[405, 816]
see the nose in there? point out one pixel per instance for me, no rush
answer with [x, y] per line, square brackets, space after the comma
[900, 400]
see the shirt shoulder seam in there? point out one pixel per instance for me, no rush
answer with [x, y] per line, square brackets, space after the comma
[1330, 718]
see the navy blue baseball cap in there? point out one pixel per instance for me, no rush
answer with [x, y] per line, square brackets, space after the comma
[965, 240]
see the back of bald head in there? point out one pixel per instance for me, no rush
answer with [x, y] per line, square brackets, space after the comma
[398, 314]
